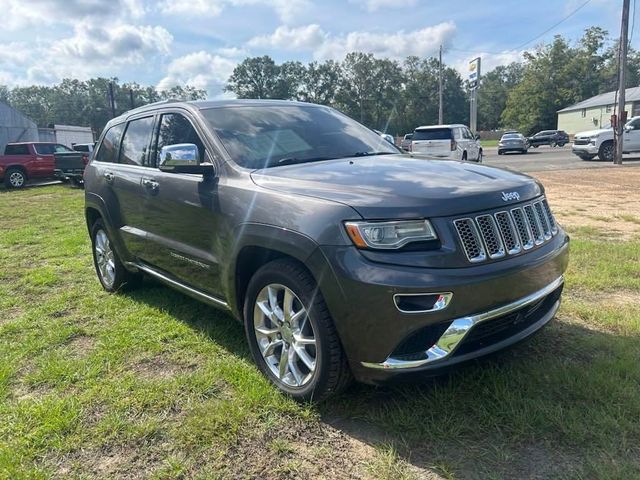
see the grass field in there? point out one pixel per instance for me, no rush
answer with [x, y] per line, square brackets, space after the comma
[152, 384]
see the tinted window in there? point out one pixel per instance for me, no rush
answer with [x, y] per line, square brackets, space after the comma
[50, 148]
[16, 150]
[136, 140]
[467, 134]
[267, 136]
[81, 148]
[432, 134]
[175, 129]
[108, 150]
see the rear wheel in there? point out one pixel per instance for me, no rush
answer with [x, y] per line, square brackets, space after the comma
[464, 156]
[111, 272]
[606, 152]
[15, 178]
[479, 160]
[291, 334]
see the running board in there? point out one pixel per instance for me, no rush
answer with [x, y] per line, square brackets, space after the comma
[192, 292]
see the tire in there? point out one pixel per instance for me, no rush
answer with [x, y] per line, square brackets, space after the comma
[561, 144]
[552, 143]
[535, 145]
[464, 156]
[267, 331]
[500, 152]
[587, 158]
[112, 274]
[606, 153]
[480, 155]
[15, 178]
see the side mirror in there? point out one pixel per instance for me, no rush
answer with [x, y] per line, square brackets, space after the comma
[183, 158]
[477, 137]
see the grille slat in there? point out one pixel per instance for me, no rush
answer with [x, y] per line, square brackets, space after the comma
[504, 233]
[490, 236]
[470, 239]
[508, 232]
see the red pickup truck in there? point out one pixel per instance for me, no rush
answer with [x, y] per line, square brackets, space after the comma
[24, 161]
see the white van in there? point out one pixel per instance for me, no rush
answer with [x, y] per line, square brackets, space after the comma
[453, 142]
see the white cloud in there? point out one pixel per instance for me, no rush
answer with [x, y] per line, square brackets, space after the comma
[201, 70]
[118, 44]
[21, 14]
[287, 10]
[373, 5]
[301, 38]
[423, 42]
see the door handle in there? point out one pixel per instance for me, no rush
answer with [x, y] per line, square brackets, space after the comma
[149, 183]
[108, 176]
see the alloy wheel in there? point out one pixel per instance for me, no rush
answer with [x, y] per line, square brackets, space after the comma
[285, 336]
[607, 152]
[16, 179]
[105, 258]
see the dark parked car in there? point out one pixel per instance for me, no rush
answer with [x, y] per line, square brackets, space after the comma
[512, 142]
[341, 256]
[549, 137]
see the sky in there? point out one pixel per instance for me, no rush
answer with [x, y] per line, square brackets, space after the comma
[198, 42]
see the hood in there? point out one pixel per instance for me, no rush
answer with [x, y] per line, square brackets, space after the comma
[400, 186]
[591, 133]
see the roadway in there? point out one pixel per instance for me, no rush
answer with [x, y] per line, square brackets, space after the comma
[547, 158]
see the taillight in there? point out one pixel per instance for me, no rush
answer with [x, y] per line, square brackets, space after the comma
[453, 145]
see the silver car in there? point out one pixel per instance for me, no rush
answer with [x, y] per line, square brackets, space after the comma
[513, 142]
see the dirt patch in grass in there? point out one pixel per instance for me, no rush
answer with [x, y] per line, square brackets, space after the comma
[603, 199]
[81, 345]
[161, 368]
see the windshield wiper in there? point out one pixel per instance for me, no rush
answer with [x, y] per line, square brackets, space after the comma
[366, 154]
[292, 160]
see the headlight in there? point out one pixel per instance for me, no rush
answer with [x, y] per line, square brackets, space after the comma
[390, 235]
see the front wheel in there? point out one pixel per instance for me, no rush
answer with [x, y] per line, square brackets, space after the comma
[606, 152]
[291, 334]
[587, 158]
[15, 178]
[479, 160]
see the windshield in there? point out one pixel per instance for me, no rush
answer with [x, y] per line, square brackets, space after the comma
[432, 134]
[273, 135]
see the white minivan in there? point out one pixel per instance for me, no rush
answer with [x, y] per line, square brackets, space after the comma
[453, 142]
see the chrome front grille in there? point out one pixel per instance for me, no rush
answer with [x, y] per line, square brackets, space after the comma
[508, 232]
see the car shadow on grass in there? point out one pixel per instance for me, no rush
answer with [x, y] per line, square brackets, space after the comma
[562, 404]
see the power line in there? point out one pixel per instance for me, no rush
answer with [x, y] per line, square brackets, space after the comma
[554, 25]
[506, 50]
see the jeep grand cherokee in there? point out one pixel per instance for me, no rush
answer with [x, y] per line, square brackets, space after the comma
[341, 256]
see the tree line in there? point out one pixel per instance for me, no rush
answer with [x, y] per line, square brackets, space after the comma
[389, 95]
[87, 103]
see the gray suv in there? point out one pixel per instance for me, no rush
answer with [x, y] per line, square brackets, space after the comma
[342, 256]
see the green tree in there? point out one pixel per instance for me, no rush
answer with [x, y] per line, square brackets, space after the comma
[321, 82]
[492, 96]
[255, 77]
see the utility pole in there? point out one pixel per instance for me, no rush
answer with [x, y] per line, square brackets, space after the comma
[440, 113]
[474, 83]
[112, 100]
[622, 84]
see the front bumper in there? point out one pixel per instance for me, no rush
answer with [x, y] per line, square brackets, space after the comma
[374, 332]
[588, 149]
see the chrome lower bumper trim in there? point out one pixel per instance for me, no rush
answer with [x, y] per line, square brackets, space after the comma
[459, 328]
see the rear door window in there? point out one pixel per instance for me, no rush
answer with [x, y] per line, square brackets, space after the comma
[108, 150]
[136, 142]
[16, 150]
[432, 134]
[50, 148]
